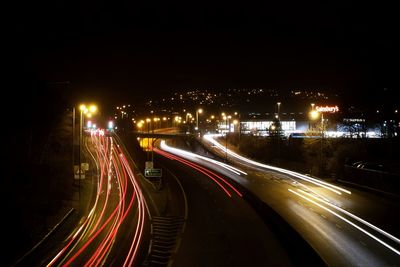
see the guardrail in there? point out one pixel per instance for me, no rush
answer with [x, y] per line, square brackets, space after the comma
[378, 180]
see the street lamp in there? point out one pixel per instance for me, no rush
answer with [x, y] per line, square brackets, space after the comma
[322, 125]
[226, 118]
[83, 110]
[199, 111]
[279, 105]
[186, 121]
[139, 126]
[314, 115]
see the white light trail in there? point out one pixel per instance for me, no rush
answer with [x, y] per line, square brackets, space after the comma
[173, 150]
[331, 187]
[354, 217]
[347, 221]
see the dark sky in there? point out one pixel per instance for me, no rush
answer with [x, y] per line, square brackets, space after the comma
[133, 49]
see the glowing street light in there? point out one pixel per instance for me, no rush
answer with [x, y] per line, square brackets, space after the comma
[199, 111]
[314, 114]
[83, 110]
[188, 115]
[279, 105]
[93, 109]
[226, 118]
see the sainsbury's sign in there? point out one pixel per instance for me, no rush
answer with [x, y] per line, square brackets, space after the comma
[331, 109]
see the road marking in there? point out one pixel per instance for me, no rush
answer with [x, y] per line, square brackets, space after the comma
[347, 221]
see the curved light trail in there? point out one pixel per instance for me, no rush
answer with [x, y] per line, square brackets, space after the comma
[345, 220]
[320, 199]
[235, 170]
[331, 187]
[213, 176]
[119, 201]
[323, 202]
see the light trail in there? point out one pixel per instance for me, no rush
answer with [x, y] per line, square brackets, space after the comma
[95, 238]
[203, 170]
[193, 166]
[353, 216]
[331, 187]
[173, 150]
[347, 221]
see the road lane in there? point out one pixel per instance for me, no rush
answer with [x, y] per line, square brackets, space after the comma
[113, 230]
[222, 229]
[337, 241]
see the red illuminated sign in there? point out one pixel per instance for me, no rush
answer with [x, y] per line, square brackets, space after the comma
[331, 109]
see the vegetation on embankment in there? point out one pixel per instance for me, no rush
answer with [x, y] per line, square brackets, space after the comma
[325, 158]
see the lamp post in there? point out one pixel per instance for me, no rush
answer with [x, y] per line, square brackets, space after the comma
[226, 118]
[314, 115]
[310, 128]
[139, 126]
[148, 120]
[83, 110]
[199, 111]
[188, 115]
[279, 105]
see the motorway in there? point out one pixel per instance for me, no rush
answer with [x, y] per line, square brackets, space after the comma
[113, 230]
[330, 218]
[222, 229]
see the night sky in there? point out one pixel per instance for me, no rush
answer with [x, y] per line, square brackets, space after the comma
[113, 51]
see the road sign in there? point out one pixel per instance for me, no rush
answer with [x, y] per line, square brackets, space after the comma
[153, 172]
[85, 166]
[82, 176]
[148, 165]
[76, 173]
